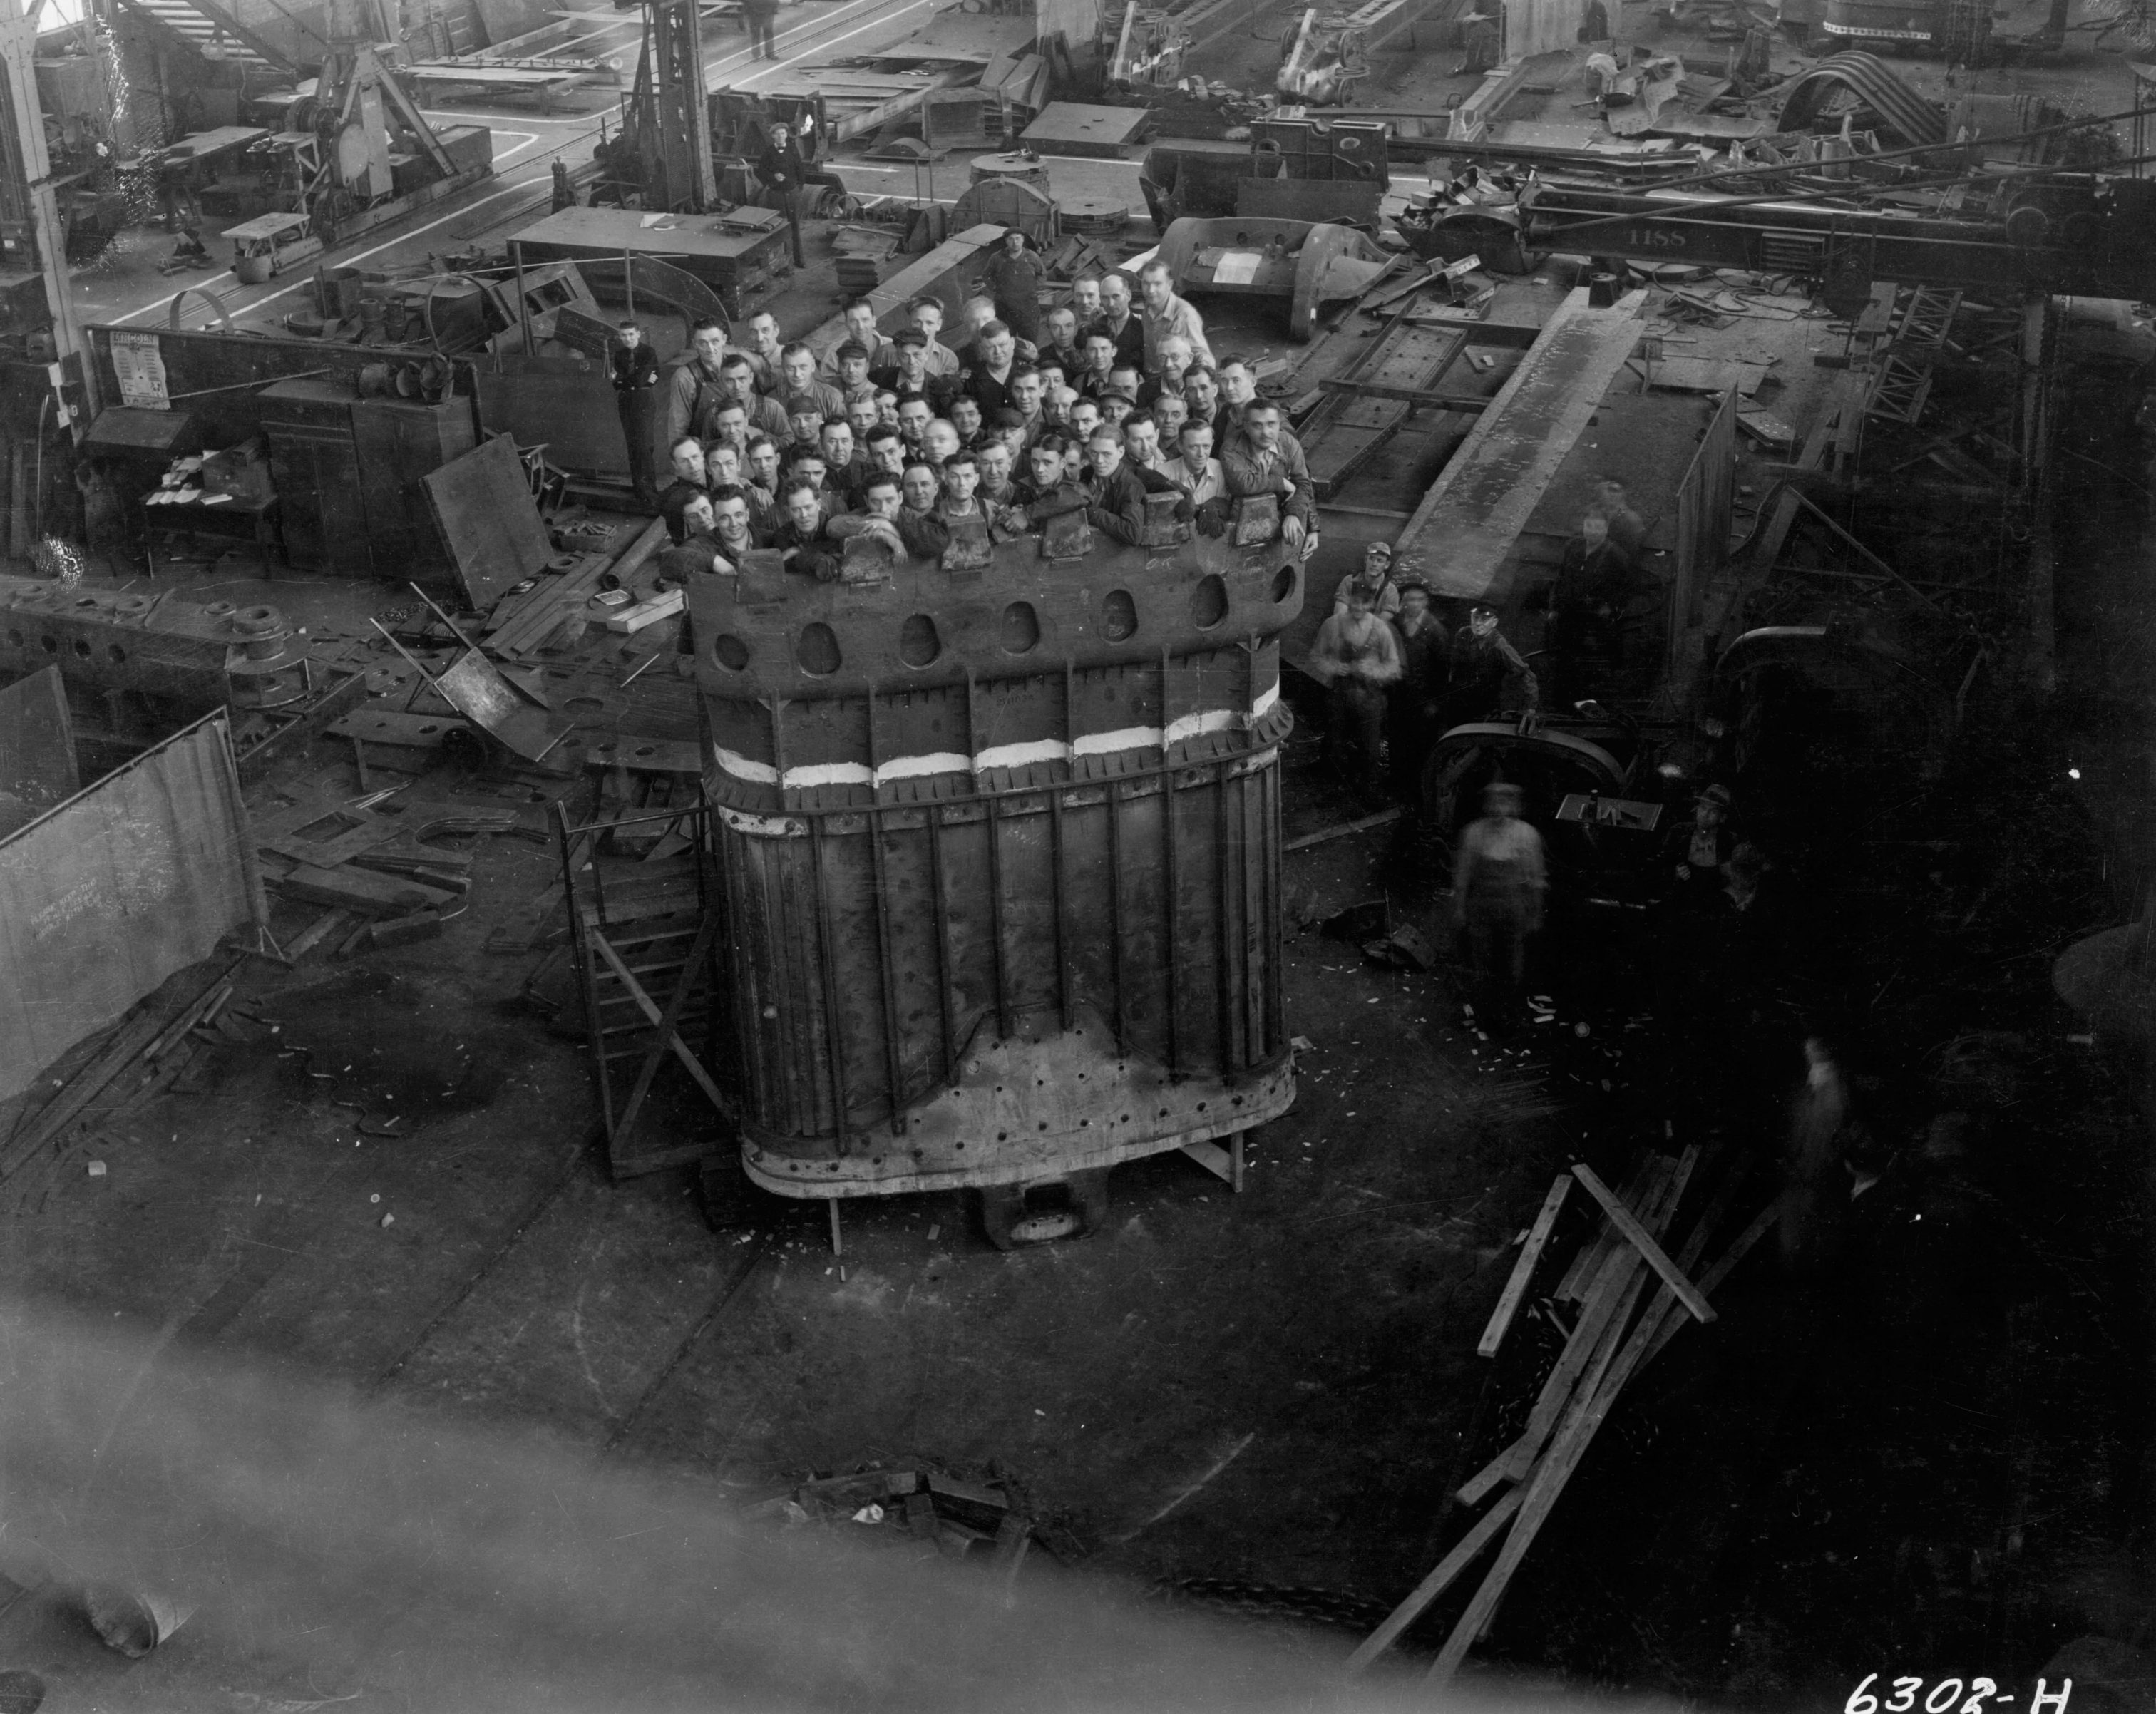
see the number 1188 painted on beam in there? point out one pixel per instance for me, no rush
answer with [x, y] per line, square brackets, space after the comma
[1950, 1696]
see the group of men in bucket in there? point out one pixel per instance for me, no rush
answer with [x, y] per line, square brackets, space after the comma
[1098, 406]
[1111, 407]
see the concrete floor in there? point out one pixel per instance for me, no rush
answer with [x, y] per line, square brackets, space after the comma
[1302, 1352]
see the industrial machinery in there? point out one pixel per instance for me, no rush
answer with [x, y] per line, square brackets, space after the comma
[1000, 839]
[1309, 264]
[355, 152]
[663, 153]
[1597, 784]
[1992, 192]
[1148, 51]
[1291, 169]
[266, 246]
[1322, 59]
[1967, 32]
[135, 664]
[2079, 234]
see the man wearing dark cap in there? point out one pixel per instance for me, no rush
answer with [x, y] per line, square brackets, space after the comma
[1414, 705]
[1485, 671]
[860, 318]
[1013, 277]
[1698, 849]
[804, 426]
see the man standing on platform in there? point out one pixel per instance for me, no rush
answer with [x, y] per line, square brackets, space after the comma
[635, 366]
[784, 173]
[1013, 277]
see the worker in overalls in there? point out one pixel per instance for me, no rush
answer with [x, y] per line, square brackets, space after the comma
[1498, 885]
[1013, 275]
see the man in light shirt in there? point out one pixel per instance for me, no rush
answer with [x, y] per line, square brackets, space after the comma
[928, 314]
[1163, 313]
[1197, 471]
[764, 348]
[1358, 656]
[861, 322]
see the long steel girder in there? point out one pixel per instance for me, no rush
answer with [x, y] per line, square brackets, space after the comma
[2109, 250]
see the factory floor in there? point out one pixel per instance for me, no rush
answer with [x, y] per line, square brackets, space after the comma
[1273, 1389]
[396, 1189]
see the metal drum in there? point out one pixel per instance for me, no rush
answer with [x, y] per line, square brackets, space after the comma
[1000, 860]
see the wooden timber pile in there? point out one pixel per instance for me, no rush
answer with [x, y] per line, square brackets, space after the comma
[1634, 1296]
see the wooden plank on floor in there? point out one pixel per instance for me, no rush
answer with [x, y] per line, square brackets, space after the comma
[1643, 1241]
[1441, 1578]
[1543, 1487]
[1523, 1269]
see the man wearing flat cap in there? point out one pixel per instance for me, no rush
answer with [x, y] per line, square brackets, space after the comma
[1414, 705]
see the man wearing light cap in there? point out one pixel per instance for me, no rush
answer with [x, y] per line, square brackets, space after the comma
[1376, 576]
[1014, 276]
[1358, 656]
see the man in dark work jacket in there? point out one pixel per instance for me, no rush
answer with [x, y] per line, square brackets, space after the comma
[635, 369]
[1119, 487]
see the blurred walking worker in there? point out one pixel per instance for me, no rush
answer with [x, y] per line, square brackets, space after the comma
[1498, 883]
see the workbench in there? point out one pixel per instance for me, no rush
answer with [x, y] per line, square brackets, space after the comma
[219, 518]
[202, 145]
[734, 255]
